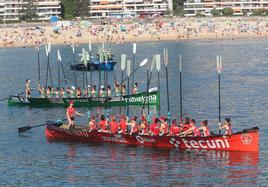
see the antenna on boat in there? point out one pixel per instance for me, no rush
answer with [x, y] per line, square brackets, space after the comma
[123, 66]
[48, 49]
[158, 68]
[133, 62]
[75, 79]
[180, 87]
[89, 59]
[128, 65]
[165, 51]
[59, 61]
[38, 62]
[219, 69]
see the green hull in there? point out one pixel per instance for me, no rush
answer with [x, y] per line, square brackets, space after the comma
[132, 100]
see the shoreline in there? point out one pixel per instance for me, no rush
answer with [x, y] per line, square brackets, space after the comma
[187, 29]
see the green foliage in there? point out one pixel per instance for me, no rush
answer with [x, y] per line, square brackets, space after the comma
[67, 8]
[260, 12]
[215, 12]
[81, 8]
[29, 10]
[199, 14]
[178, 7]
[227, 12]
[245, 12]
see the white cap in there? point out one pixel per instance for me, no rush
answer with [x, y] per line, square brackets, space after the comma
[73, 87]
[88, 86]
[102, 86]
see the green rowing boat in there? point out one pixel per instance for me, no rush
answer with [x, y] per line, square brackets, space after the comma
[131, 100]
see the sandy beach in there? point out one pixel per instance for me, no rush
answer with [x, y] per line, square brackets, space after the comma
[120, 31]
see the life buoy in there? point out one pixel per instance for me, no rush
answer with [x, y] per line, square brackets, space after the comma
[139, 139]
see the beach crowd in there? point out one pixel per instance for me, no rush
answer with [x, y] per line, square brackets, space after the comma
[129, 30]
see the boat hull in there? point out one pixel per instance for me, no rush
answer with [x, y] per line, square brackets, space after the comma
[133, 100]
[246, 140]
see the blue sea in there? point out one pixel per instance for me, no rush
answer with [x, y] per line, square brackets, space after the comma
[29, 159]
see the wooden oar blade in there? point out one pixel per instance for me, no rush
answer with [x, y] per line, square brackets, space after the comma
[23, 129]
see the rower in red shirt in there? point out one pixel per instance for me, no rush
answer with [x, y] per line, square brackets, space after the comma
[154, 128]
[163, 126]
[192, 131]
[186, 126]
[113, 125]
[175, 130]
[70, 113]
[123, 124]
[103, 124]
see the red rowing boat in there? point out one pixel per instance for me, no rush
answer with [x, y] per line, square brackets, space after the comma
[246, 140]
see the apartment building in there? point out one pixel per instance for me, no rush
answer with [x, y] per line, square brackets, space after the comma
[125, 8]
[9, 9]
[192, 7]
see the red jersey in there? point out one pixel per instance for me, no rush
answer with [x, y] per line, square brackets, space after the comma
[102, 125]
[186, 127]
[123, 125]
[71, 111]
[93, 125]
[165, 128]
[175, 130]
[196, 132]
[113, 127]
[154, 129]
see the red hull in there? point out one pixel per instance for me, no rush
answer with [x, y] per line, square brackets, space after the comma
[247, 140]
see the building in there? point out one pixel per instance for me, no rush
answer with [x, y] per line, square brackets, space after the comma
[9, 9]
[192, 7]
[128, 8]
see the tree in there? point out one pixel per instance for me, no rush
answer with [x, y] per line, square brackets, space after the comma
[215, 12]
[178, 8]
[81, 8]
[227, 12]
[259, 12]
[67, 8]
[199, 14]
[29, 10]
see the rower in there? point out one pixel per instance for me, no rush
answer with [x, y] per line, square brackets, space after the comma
[70, 113]
[42, 91]
[57, 93]
[135, 88]
[133, 125]
[143, 127]
[93, 91]
[63, 93]
[154, 128]
[163, 126]
[123, 87]
[204, 129]
[49, 92]
[103, 124]
[78, 92]
[186, 125]
[122, 124]
[113, 125]
[109, 91]
[92, 124]
[227, 126]
[102, 92]
[28, 88]
[175, 130]
[117, 88]
[192, 131]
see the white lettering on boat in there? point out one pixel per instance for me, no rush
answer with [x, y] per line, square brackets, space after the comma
[115, 139]
[151, 98]
[205, 144]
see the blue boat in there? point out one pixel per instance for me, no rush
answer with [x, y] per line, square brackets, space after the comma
[94, 64]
